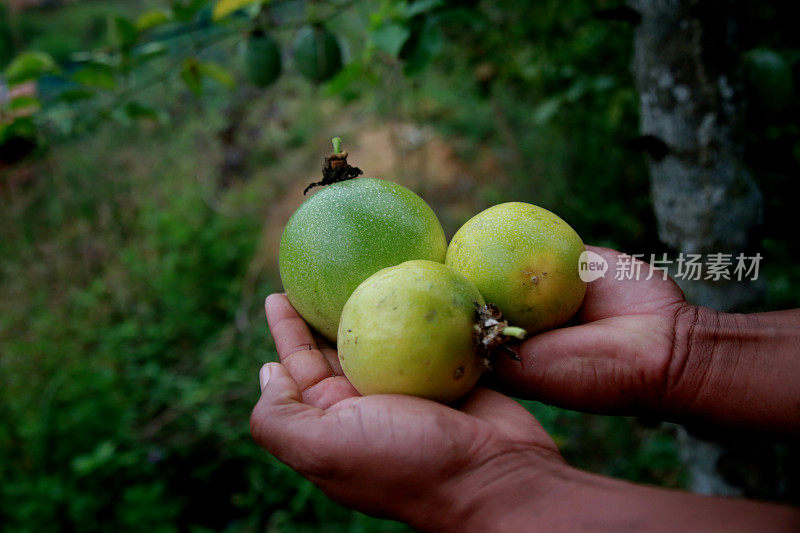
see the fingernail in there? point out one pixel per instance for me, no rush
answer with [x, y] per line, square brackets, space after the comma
[263, 376]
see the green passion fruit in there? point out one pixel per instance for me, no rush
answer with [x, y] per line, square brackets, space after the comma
[345, 233]
[769, 79]
[262, 59]
[524, 259]
[410, 329]
[317, 54]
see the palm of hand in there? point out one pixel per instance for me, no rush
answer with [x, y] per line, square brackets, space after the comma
[617, 357]
[409, 447]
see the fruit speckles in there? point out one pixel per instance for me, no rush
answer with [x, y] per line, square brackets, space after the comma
[342, 235]
[524, 259]
[424, 346]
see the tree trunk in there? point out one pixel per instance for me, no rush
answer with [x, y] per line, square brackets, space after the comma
[705, 200]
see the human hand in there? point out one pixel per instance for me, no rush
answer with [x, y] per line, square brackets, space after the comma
[617, 360]
[482, 465]
[640, 348]
[407, 458]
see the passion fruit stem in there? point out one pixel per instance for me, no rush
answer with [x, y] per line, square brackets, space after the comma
[492, 331]
[335, 168]
[513, 331]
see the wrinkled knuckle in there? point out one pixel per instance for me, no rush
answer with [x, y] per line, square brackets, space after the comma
[687, 364]
[298, 351]
[589, 375]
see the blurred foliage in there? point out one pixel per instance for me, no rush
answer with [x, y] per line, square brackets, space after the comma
[126, 384]
[132, 247]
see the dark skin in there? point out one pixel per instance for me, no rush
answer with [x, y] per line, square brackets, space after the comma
[486, 463]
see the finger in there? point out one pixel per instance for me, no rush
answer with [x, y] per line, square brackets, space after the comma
[329, 392]
[281, 423]
[329, 353]
[287, 327]
[609, 296]
[507, 415]
[295, 344]
[605, 296]
[598, 367]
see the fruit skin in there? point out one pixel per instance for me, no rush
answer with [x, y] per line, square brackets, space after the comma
[345, 233]
[523, 259]
[262, 59]
[408, 329]
[769, 79]
[317, 53]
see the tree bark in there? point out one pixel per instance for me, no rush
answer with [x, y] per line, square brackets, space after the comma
[705, 200]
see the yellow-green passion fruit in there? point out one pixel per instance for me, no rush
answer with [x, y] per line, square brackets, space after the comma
[345, 233]
[523, 259]
[410, 329]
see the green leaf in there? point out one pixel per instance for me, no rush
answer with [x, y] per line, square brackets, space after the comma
[546, 110]
[149, 51]
[72, 96]
[29, 65]
[421, 6]
[424, 44]
[603, 83]
[96, 75]
[19, 127]
[139, 111]
[576, 90]
[99, 457]
[390, 38]
[223, 8]
[347, 78]
[153, 18]
[190, 74]
[122, 32]
[134, 111]
[217, 73]
[28, 104]
[185, 11]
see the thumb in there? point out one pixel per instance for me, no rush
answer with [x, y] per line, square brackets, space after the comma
[589, 367]
[281, 423]
[508, 416]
